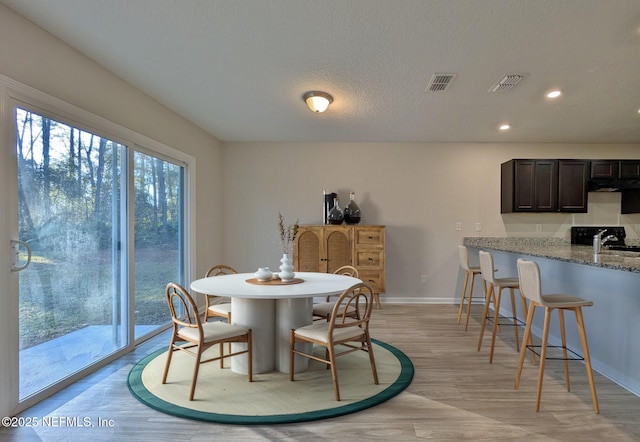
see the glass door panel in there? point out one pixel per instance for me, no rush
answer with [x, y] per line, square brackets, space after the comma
[72, 298]
[158, 227]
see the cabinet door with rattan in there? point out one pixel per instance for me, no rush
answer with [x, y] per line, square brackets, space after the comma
[338, 247]
[308, 250]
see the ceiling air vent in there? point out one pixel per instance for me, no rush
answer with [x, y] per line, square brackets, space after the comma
[507, 83]
[440, 82]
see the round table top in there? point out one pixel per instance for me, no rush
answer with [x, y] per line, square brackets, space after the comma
[236, 286]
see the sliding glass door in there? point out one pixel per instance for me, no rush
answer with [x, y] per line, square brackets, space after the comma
[87, 206]
[71, 206]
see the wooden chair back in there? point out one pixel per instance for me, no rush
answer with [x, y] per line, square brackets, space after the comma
[220, 269]
[358, 297]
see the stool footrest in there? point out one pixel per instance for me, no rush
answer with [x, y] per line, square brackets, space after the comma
[576, 356]
[517, 323]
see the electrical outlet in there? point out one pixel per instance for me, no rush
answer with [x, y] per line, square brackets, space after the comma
[538, 228]
[423, 279]
[458, 226]
[478, 227]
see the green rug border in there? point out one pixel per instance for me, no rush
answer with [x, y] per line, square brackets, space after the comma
[138, 390]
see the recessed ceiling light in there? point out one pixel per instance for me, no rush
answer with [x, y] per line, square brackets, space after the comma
[505, 126]
[554, 93]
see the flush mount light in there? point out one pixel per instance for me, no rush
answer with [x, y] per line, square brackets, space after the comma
[505, 126]
[317, 101]
[554, 93]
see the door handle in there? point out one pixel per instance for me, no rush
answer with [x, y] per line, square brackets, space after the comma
[15, 255]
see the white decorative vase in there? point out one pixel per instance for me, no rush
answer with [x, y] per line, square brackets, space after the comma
[286, 269]
[263, 274]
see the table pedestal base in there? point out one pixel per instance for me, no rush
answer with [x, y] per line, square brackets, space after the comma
[270, 321]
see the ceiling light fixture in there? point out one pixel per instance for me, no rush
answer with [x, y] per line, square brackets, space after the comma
[505, 126]
[317, 101]
[554, 93]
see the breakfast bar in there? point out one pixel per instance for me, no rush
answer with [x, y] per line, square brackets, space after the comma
[610, 279]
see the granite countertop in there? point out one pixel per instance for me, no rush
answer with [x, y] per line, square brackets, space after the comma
[559, 249]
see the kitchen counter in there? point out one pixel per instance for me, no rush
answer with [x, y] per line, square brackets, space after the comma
[559, 249]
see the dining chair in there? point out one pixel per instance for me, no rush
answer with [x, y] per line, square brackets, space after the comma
[214, 304]
[496, 285]
[192, 336]
[351, 334]
[530, 286]
[322, 310]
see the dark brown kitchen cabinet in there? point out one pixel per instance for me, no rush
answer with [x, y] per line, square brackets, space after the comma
[529, 186]
[629, 169]
[604, 169]
[572, 185]
[538, 185]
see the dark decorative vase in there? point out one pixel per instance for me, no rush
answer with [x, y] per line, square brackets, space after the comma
[329, 197]
[335, 215]
[352, 211]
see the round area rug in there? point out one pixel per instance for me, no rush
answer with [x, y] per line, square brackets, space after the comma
[223, 396]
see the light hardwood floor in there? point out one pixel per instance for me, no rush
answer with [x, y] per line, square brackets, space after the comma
[455, 395]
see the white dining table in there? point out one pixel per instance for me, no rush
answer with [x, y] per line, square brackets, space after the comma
[270, 311]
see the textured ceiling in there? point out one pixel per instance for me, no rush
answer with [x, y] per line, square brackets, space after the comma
[238, 68]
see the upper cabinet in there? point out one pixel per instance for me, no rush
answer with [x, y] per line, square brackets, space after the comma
[544, 185]
[572, 185]
[541, 185]
[629, 169]
[604, 169]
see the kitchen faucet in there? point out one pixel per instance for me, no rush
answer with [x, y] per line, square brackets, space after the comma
[599, 241]
[608, 238]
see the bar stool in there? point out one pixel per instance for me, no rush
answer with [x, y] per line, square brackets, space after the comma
[488, 274]
[529, 276]
[470, 271]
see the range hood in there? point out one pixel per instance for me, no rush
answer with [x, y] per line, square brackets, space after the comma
[613, 185]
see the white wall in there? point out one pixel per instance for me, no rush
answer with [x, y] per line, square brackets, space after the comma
[419, 191]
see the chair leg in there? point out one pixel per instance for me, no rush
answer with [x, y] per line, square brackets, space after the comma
[292, 341]
[485, 312]
[334, 371]
[473, 277]
[565, 356]
[496, 319]
[229, 322]
[463, 295]
[169, 355]
[374, 370]
[514, 315]
[525, 315]
[543, 354]
[523, 349]
[587, 358]
[196, 368]
[250, 355]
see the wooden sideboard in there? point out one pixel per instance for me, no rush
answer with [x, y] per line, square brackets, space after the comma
[325, 248]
